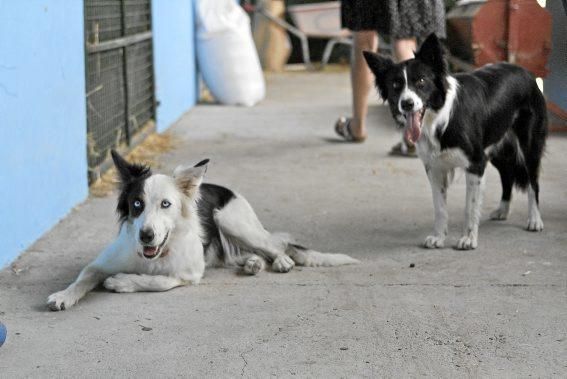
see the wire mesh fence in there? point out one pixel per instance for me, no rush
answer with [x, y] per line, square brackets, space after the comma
[120, 80]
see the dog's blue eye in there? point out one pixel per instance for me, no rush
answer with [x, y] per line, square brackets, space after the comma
[165, 204]
[137, 204]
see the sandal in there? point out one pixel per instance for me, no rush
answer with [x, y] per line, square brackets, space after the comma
[342, 128]
[401, 149]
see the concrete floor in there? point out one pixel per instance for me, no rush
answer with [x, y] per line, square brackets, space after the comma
[500, 310]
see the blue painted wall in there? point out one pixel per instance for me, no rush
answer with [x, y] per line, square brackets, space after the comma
[43, 171]
[174, 59]
[43, 159]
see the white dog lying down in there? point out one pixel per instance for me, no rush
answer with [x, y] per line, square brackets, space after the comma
[172, 227]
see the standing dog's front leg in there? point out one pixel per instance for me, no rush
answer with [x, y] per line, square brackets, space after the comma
[142, 283]
[88, 279]
[475, 186]
[439, 183]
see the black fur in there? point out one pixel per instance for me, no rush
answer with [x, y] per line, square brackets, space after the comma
[380, 65]
[495, 105]
[429, 64]
[132, 177]
[202, 163]
[431, 53]
[298, 247]
[211, 197]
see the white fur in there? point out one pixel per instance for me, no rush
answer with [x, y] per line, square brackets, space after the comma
[502, 212]
[312, 258]
[240, 230]
[428, 147]
[439, 180]
[408, 94]
[243, 240]
[254, 264]
[442, 117]
[121, 266]
[475, 187]
[440, 166]
[535, 223]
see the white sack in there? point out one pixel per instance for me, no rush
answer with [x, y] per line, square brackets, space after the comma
[226, 54]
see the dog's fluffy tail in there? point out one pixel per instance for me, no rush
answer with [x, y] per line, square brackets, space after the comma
[303, 256]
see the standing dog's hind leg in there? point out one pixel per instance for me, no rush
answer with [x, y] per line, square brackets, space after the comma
[506, 170]
[535, 223]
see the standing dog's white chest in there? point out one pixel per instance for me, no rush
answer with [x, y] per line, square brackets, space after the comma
[429, 148]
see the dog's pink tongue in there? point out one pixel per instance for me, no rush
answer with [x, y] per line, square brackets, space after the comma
[413, 127]
[150, 251]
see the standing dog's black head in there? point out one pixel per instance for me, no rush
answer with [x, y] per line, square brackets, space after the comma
[412, 86]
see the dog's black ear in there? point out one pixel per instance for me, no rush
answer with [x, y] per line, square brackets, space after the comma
[129, 171]
[432, 54]
[189, 178]
[379, 65]
[204, 162]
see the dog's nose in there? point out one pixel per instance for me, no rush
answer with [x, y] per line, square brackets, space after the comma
[407, 105]
[146, 235]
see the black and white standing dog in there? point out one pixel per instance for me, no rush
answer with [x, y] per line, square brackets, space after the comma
[172, 227]
[496, 113]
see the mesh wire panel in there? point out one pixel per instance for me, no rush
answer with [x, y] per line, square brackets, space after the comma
[103, 20]
[137, 17]
[119, 80]
[105, 103]
[140, 84]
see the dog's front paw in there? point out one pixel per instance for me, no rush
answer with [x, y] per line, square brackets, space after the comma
[535, 224]
[119, 283]
[434, 242]
[59, 301]
[468, 242]
[283, 263]
[253, 265]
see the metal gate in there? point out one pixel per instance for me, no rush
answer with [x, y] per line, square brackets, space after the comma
[120, 77]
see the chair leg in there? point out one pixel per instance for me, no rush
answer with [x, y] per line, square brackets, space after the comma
[330, 46]
[328, 50]
[305, 50]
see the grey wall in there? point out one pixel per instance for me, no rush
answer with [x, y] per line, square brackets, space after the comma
[555, 85]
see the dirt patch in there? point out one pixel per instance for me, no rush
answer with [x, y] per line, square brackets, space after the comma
[146, 153]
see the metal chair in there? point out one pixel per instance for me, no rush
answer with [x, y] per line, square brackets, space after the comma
[260, 9]
[319, 20]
